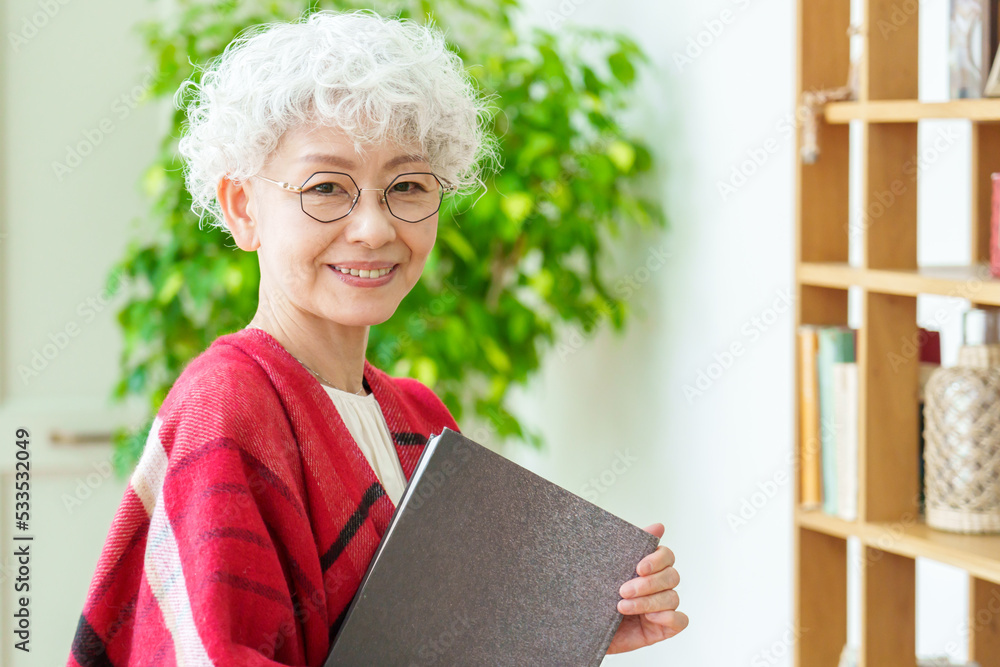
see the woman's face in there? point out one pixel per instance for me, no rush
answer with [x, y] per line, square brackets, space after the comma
[306, 265]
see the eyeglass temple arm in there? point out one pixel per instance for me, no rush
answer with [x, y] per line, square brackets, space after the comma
[282, 184]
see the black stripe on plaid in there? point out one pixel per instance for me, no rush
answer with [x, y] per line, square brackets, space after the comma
[250, 586]
[354, 523]
[405, 438]
[88, 648]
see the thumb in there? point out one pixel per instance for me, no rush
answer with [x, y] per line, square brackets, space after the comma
[656, 529]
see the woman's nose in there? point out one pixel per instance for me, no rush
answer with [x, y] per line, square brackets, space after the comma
[370, 222]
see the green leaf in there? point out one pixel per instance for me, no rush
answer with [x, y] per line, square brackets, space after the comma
[168, 290]
[622, 68]
[457, 242]
[154, 180]
[517, 206]
[622, 154]
[425, 369]
[497, 357]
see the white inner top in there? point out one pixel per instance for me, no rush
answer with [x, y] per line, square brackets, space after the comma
[365, 421]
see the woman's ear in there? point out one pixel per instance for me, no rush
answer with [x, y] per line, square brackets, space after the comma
[238, 212]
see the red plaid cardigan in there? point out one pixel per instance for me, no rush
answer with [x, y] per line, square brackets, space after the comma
[250, 519]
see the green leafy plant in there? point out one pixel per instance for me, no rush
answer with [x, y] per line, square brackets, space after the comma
[512, 264]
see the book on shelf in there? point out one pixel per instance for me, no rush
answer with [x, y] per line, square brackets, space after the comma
[809, 426]
[835, 346]
[828, 419]
[829, 414]
[485, 561]
[845, 420]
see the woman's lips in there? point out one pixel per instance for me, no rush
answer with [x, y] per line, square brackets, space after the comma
[369, 276]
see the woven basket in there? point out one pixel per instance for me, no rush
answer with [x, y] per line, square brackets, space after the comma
[962, 443]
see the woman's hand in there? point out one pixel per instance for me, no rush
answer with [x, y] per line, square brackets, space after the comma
[650, 601]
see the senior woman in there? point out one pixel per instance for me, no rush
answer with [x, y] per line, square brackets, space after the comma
[276, 461]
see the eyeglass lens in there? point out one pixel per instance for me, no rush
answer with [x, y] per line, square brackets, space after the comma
[329, 196]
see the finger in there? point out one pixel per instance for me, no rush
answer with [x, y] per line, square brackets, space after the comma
[673, 621]
[658, 581]
[656, 529]
[662, 601]
[656, 561]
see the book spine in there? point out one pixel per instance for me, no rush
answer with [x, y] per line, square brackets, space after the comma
[845, 403]
[847, 439]
[810, 469]
[602, 647]
[828, 425]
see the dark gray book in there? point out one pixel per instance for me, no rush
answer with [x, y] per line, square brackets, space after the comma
[487, 563]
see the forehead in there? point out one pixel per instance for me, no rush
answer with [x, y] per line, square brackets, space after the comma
[323, 145]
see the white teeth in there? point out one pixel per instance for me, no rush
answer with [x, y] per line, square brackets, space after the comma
[364, 273]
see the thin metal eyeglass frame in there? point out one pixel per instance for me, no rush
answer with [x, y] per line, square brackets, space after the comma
[300, 189]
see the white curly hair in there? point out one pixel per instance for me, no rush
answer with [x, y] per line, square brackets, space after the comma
[377, 79]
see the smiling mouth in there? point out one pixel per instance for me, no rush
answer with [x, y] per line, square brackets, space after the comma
[364, 273]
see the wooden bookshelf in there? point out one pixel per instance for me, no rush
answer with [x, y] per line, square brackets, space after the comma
[911, 111]
[971, 282]
[911, 537]
[889, 527]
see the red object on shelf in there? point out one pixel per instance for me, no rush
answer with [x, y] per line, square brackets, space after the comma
[995, 228]
[930, 346]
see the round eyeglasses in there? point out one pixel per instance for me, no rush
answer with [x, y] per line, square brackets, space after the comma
[327, 196]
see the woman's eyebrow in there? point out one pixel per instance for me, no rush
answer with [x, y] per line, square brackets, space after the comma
[404, 159]
[335, 160]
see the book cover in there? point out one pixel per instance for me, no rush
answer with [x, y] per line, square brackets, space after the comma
[487, 563]
[845, 378]
[809, 428]
[836, 344]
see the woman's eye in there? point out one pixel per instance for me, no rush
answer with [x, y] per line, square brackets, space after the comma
[327, 189]
[407, 186]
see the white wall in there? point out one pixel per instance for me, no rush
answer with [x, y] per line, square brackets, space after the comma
[74, 146]
[697, 462]
[699, 459]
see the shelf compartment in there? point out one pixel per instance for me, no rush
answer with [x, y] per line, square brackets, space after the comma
[820, 598]
[911, 111]
[978, 554]
[971, 282]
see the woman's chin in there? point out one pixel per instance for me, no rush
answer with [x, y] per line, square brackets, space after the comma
[367, 317]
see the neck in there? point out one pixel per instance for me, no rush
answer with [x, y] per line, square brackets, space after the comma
[330, 350]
